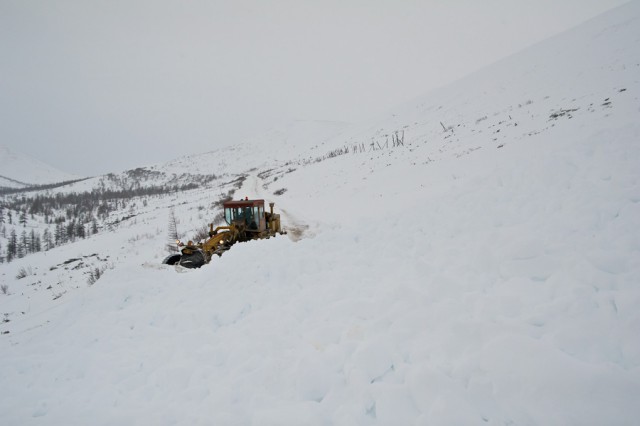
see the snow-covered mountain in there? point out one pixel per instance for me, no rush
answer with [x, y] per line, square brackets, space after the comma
[274, 148]
[18, 170]
[282, 143]
[471, 258]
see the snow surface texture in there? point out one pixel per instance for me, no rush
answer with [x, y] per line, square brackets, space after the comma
[19, 170]
[485, 271]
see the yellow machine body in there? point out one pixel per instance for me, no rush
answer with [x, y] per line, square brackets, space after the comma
[246, 220]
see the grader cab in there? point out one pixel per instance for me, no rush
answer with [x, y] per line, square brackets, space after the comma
[245, 220]
[250, 216]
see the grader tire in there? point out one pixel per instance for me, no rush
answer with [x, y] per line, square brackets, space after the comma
[172, 259]
[193, 260]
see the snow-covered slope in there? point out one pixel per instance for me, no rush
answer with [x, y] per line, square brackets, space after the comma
[18, 170]
[273, 148]
[480, 268]
[283, 142]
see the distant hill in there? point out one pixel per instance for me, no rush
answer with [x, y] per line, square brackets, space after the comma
[18, 170]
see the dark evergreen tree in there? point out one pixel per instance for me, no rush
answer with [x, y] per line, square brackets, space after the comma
[23, 218]
[34, 242]
[47, 240]
[60, 236]
[12, 246]
[80, 232]
[38, 243]
[71, 231]
[22, 244]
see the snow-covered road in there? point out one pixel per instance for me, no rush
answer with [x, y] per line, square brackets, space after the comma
[253, 188]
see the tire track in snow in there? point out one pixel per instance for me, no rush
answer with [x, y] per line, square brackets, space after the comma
[296, 229]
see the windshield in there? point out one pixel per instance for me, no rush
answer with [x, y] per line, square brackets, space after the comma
[247, 215]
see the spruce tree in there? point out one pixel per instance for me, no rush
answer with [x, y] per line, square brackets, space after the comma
[80, 232]
[59, 234]
[32, 241]
[12, 246]
[22, 244]
[172, 246]
[46, 239]
[37, 243]
[71, 231]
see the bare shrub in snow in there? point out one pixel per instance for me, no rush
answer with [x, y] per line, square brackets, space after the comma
[94, 275]
[24, 272]
[4, 288]
[218, 218]
[202, 233]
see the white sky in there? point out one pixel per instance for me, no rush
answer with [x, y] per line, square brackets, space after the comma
[98, 86]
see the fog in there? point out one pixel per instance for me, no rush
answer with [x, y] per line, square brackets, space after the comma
[97, 86]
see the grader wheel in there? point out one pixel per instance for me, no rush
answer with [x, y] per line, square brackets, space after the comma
[172, 259]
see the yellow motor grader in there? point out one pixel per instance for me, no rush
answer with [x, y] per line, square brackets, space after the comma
[246, 220]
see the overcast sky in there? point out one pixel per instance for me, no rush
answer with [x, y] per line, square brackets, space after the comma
[94, 86]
